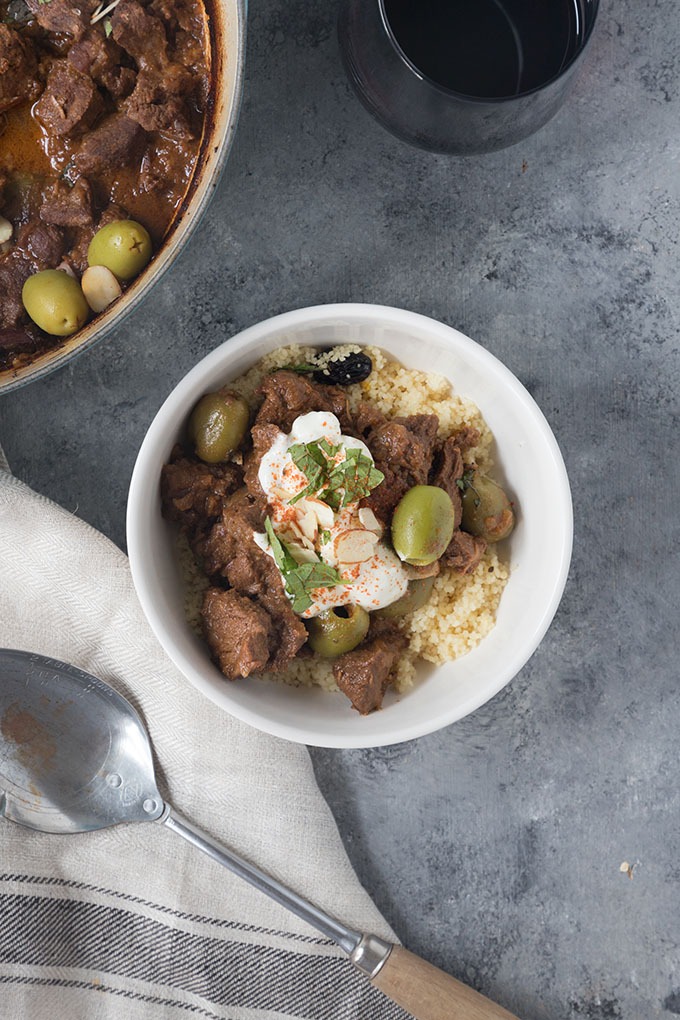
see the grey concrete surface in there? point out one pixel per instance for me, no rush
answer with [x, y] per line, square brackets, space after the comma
[494, 846]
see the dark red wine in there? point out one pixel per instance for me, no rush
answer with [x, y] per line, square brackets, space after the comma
[488, 49]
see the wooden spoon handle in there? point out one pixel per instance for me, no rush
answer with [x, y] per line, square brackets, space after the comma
[427, 993]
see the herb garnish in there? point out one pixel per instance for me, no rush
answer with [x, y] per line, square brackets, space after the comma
[108, 27]
[311, 459]
[300, 578]
[300, 369]
[465, 482]
[337, 484]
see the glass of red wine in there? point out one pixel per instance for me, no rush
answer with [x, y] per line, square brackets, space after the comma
[464, 76]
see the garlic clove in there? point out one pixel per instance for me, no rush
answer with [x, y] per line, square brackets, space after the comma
[66, 267]
[100, 287]
[6, 230]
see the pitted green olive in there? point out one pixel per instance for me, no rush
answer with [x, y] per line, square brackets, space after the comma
[337, 630]
[218, 425]
[123, 246]
[422, 525]
[487, 511]
[418, 593]
[55, 302]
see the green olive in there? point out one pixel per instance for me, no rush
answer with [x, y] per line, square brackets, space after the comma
[55, 302]
[418, 593]
[422, 525]
[337, 630]
[218, 425]
[123, 246]
[487, 511]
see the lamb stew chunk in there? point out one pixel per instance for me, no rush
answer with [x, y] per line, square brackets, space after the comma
[297, 508]
[102, 110]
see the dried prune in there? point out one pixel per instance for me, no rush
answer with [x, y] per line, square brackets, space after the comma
[353, 368]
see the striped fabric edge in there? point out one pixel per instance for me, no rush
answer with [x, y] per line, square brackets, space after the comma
[48, 882]
[100, 944]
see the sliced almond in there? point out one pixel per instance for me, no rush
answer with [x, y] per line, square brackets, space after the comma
[282, 494]
[324, 513]
[6, 230]
[356, 546]
[301, 554]
[307, 523]
[100, 287]
[368, 519]
[294, 530]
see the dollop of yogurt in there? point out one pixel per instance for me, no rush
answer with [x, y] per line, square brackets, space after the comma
[349, 539]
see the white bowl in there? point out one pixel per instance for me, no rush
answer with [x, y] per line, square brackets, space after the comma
[528, 461]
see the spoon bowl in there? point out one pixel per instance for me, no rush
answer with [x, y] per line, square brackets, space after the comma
[74, 754]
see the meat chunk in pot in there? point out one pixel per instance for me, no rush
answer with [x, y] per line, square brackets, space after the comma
[18, 69]
[14, 271]
[67, 206]
[16, 342]
[287, 395]
[365, 674]
[94, 54]
[38, 246]
[238, 631]
[176, 15]
[230, 552]
[64, 17]
[158, 106]
[140, 34]
[117, 141]
[77, 255]
[42, 244]
[102, 60]
[120, 81]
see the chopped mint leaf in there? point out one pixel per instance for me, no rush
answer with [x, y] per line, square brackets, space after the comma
[340, 484]
[328, 448]
[300, 579]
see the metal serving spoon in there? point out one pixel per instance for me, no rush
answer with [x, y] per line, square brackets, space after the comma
[75, 756]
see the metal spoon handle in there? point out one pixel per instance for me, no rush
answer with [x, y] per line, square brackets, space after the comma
[424, 991]
[329, 926]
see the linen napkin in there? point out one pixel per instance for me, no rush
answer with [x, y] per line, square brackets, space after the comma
[131, 922]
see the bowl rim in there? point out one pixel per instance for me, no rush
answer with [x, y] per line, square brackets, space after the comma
[174, 406]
